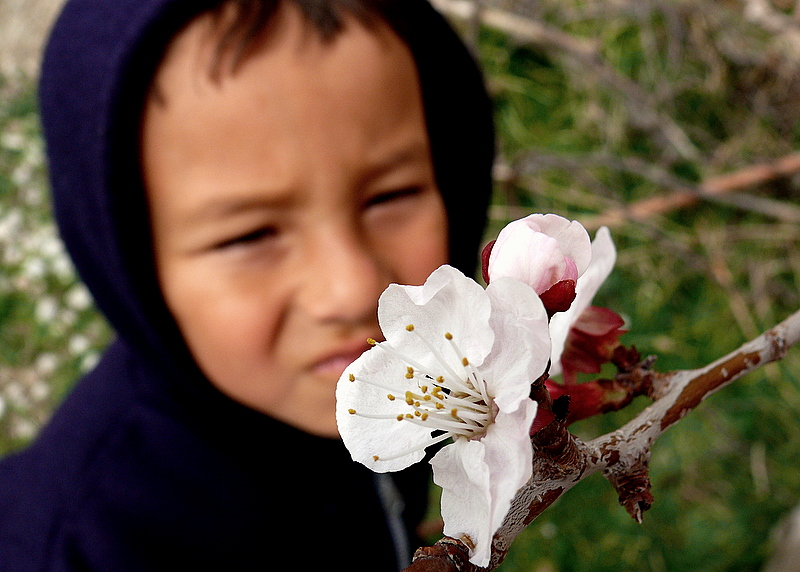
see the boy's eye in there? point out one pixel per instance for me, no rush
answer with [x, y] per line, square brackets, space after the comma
[393, 195]
[252, 237]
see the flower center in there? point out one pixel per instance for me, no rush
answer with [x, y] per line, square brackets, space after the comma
[452, 402]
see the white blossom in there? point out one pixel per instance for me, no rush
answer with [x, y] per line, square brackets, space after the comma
[46, 309]
[78, 345]
[457, 363]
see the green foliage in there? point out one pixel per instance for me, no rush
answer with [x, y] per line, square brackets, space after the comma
[49, 331]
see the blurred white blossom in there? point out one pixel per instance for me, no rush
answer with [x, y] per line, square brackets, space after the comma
[52, 328]
[12, 141]
[23, 428]
[78, 297]
[46, 309]
[78, 344]
[89, 361]
[46, 363]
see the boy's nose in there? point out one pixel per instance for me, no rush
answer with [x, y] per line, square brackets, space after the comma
[344, 280]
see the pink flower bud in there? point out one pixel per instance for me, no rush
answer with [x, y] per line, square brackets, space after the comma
[539, 250]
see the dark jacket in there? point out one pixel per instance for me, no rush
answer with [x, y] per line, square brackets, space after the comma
[146, 466]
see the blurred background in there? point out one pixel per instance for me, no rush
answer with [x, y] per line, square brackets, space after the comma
[674, 122]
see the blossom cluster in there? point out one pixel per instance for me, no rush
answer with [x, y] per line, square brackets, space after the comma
[458, 361]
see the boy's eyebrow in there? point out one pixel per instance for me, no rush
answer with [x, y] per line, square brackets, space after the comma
[408, 154]
[216, 208]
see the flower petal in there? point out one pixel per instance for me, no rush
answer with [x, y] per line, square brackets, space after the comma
[510, 457]
[366, 437]
[604, 255]
[571, 235]
[447, 302]
[462, 472]
[522, 342]
[479, 479]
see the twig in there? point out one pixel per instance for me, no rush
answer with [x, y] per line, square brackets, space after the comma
[720, 270]
[720, 189]
[622, 456]
[712, 189]
[783, 27]
[523, 29]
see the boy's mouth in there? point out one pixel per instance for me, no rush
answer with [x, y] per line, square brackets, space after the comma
[334, 363]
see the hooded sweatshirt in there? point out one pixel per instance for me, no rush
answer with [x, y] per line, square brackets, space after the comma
[146, 466]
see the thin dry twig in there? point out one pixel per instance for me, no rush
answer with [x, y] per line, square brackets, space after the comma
[712, 243]
[713, 188]
[784, 28]
[721, 189]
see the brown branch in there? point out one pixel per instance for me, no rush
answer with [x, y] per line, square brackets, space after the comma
[622, 456]
[713, 188]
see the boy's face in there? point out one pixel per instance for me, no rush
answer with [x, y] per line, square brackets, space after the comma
[284, 199]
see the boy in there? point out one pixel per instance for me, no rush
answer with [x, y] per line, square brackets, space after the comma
[237, 182]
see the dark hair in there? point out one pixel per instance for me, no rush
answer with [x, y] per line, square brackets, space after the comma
[249, 27]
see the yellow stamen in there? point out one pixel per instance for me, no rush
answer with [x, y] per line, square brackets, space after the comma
[391, 397]
[371, 342]
[351, 411]
[465, 361]
[410, 327]
[448, 336]
[352, 377]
